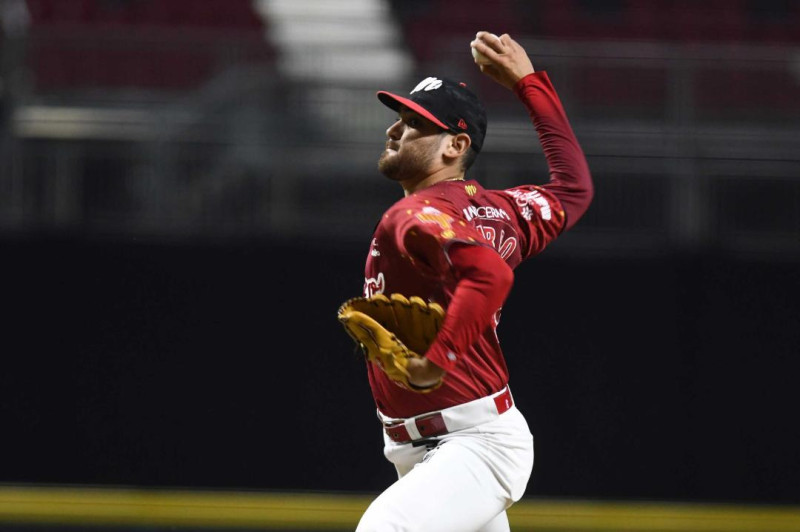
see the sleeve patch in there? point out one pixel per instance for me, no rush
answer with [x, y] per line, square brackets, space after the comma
[527, 199]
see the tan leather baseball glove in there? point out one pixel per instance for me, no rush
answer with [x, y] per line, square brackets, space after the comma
[391, 330]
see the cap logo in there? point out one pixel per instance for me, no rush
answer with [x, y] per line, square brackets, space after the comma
[462, 124]
[427, 84]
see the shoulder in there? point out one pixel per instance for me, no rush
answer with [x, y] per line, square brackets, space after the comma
[430, 200]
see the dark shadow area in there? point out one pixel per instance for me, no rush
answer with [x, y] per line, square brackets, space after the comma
[130, 363]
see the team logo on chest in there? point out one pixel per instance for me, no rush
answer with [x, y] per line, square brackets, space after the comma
[374, 285]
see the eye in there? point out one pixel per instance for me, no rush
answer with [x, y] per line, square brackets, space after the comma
[413, 122]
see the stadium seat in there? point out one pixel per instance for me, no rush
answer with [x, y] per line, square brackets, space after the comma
[161, 44]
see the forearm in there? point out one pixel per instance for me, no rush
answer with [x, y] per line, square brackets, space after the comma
[484, 280]
[570, 179]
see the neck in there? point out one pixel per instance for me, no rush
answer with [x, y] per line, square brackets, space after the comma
[411, 186]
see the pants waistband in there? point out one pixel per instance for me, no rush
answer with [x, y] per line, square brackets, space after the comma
[449, 420]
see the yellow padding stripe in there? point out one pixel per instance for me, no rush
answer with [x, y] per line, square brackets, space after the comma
[103, 506]
[661, 517]
[146, 507]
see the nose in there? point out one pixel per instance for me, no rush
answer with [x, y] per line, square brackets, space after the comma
[395, 131]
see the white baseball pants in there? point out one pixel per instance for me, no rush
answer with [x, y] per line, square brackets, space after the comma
[463, 484]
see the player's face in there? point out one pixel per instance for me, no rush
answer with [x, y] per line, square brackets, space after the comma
[412, 147]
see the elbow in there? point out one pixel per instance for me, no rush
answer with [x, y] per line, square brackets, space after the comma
[498, 275]
[588, 193]
[585, 191]
[589, 186]
[484, 266]
[576, 205]
[504, 277]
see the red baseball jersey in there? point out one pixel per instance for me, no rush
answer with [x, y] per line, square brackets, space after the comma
[410, 246]
[516, 223]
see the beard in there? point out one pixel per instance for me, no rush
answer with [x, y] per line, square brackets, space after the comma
[410, 162]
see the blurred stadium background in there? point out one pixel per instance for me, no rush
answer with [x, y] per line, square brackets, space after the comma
[187, 192]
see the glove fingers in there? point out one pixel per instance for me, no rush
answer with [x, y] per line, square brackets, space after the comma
[428, 320]
[414, 321]
[380, 308]
[420, 322]
[392, 330]
[407, 316]
[395, 315]
[375, 305]
[438, 315]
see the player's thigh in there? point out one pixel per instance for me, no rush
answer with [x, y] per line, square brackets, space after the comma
[453, 489]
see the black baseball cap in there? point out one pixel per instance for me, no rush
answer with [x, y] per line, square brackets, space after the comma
[448, 104]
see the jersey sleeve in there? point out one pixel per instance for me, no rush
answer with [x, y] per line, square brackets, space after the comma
[484, 280]
[570, 178]
[540, 217]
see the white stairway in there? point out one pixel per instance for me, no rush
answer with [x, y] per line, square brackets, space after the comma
[336, 40]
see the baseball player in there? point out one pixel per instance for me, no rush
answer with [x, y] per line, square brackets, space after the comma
[462, 450]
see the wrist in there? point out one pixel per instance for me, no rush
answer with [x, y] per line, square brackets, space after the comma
[519, 86]
[422, 373]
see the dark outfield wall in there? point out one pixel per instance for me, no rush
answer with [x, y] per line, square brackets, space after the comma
[224, 366]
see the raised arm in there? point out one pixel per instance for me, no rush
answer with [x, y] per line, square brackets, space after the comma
[510, 66]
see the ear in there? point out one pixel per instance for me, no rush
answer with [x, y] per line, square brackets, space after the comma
[457, 145]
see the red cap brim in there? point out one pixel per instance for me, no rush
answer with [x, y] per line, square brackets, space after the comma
[393, 101]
